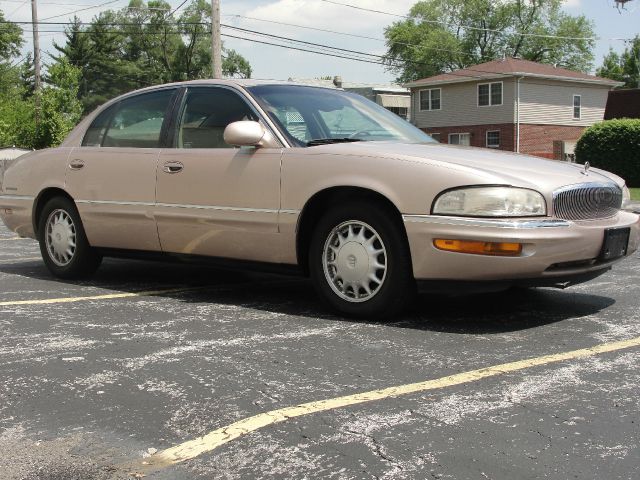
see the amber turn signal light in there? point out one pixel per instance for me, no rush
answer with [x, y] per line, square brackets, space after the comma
[501, 249]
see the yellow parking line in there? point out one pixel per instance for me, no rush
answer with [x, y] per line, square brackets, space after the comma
[19, 260]
[223, 435]
[14, 238]
[108, 296]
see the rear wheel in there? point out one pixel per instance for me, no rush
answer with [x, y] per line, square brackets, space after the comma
[360, 262]
[63, 243]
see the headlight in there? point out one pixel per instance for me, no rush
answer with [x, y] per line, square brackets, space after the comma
[490, 202]
[626, 197]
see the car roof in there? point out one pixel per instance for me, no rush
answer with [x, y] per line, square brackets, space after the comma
[238, 82]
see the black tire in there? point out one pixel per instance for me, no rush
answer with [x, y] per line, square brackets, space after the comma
[84, 260]
[398, 288]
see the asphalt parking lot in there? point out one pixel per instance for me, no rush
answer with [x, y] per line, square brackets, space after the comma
[99, 378]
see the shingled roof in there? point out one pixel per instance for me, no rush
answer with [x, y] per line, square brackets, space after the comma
[512, 67]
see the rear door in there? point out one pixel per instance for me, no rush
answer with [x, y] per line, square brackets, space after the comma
[214, 199]
[112, 176]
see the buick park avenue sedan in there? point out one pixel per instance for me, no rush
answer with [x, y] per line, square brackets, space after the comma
[315, 180]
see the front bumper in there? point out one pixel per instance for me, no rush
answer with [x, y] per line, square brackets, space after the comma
[552, 248]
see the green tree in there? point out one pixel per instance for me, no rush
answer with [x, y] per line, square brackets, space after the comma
[143, 45]
[11, 107]
[444, 36]
[235, 65]
[10, 39]
[60, 108]
[624, 67]
[28, 76]
[78, 51]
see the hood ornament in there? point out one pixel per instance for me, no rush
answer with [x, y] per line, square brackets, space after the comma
[587, 166]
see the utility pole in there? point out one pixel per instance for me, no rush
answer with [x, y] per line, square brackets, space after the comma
[216, 43]
[637, 60]
[36, 56]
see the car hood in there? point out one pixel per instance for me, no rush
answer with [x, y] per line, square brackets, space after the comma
[493, 166]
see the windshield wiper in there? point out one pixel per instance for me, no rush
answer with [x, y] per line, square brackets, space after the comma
[326, 141]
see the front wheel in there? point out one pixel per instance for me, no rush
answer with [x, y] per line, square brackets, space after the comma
[360, 262]
[63, 243]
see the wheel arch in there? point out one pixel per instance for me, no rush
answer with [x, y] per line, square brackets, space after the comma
[324, 199]
[41, 200]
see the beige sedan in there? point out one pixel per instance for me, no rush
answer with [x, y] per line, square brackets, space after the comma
[312, 180]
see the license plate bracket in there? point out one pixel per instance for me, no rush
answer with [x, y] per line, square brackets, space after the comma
[616, 242]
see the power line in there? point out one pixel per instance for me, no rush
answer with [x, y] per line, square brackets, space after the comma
[83, 9]
[344, 53]
[468, 27]
[301, 49]
[246, 30]
[176, 9]
[22, 4]
[378, 39]
[367, 9]
[348, 5]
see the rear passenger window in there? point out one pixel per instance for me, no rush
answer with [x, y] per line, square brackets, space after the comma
[206, 112]
[95, 133]
[137, 122]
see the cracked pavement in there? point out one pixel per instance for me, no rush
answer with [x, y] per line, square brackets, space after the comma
[89, 388]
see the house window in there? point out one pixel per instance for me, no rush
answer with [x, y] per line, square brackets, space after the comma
[489, 94]
[493, 139]
[400, 111]
[435, 136]
[430, 99]
[460, 139]
[577, 106]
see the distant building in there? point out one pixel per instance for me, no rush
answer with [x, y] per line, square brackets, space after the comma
[10, 153]
[623, 104]
[393, 97]
[7, 154]
[510, 104]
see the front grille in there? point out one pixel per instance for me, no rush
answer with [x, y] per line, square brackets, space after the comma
[587, 201]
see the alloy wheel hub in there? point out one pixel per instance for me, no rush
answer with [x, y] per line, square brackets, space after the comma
[60, 237]
[355, 261]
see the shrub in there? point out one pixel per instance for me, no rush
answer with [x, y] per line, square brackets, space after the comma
[613, 145]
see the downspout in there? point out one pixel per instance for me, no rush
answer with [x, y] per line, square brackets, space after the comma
[518, 114]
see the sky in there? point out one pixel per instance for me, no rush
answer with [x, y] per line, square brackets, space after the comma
[270, 62]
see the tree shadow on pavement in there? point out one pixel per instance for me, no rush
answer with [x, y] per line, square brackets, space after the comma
[511, 310]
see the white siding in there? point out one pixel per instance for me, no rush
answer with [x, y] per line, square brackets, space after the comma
[459, 106]
[548, 102]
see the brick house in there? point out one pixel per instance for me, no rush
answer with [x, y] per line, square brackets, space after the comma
[510, 104]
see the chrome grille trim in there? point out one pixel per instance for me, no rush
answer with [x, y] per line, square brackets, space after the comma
[587, 201]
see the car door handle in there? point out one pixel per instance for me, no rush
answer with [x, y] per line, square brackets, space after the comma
[76, 164]
[173, 167]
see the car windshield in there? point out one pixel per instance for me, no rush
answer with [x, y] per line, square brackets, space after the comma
[311, 116]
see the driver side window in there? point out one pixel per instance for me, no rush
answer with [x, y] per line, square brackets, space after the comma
[205, 114]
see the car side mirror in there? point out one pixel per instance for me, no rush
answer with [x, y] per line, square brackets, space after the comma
[245, 133]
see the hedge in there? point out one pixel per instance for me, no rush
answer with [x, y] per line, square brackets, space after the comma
[613, 145]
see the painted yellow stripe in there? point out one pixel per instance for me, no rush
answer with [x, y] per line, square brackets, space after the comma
[19, 260]
[9, 239]
[221, 436]
[109, 296]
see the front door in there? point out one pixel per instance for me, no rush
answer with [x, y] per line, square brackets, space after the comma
[112, 176]
[214, 199]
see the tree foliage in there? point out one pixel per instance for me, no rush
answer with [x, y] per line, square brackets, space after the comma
[144, 44]
[21, 123]
[118, 51]
[613, 145]
[10, 39]
[444, 36]
[624, 67]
